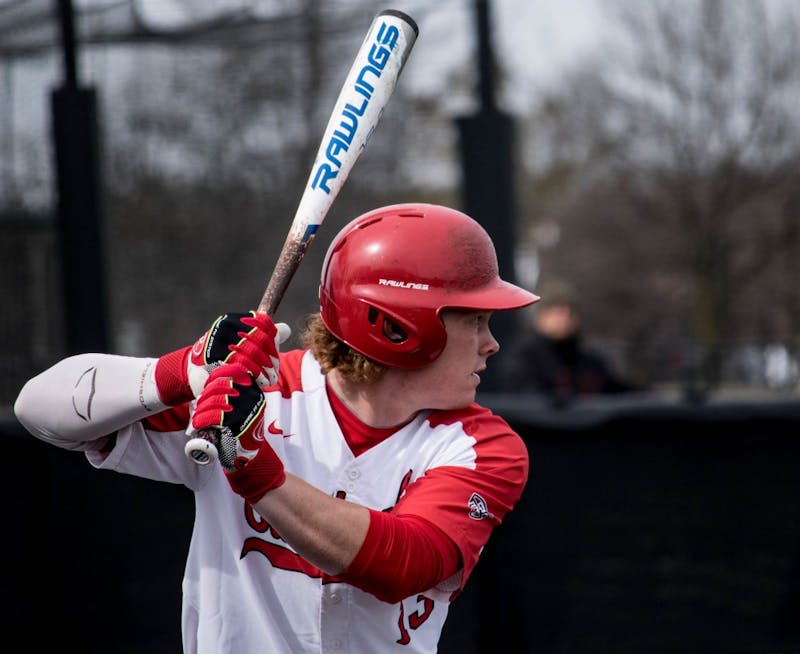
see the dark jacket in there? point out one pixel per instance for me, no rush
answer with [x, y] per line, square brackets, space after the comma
[561, 368]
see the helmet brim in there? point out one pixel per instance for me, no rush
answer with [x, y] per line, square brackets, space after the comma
[499, 296]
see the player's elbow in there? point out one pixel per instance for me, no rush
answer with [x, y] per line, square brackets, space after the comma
[402, 555]
[26, 410]
[393, 594]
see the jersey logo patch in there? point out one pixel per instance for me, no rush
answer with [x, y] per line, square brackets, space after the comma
[478, 510]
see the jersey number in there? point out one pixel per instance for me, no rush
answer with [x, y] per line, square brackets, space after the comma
[415, 619]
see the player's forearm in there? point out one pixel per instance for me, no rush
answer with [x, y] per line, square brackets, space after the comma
[86, 397]
[325, 531]
[390, 556]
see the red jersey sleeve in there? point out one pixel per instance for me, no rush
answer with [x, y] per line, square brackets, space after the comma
[401, 555]
[467, 503]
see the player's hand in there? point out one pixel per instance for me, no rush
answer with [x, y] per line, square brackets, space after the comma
[250, 338]
[232, 406]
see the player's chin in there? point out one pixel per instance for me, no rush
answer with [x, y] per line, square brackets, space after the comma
[468, 392]
[462, 402]
[459, 394]
[457, 399]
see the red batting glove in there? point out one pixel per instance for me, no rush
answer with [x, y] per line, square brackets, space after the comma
[251, 339]
[261, 474]
[232, 405]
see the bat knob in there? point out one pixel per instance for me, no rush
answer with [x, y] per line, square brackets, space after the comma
[201, 450]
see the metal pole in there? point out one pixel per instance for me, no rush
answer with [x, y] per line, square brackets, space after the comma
[77, 155]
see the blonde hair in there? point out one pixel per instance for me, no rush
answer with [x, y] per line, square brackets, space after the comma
[331, 353]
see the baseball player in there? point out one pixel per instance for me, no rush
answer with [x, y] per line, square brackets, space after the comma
[358, 480]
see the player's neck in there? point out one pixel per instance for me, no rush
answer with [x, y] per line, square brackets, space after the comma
[380, 404]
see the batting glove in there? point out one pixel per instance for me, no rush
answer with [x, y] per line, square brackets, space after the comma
[251, 339]
[232, 406]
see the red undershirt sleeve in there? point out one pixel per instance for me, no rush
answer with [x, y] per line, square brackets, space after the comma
[401, 555]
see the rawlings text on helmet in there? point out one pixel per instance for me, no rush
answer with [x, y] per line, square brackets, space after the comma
[393, 282]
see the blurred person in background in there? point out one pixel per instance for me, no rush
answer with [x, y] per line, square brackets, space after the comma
[551, 357]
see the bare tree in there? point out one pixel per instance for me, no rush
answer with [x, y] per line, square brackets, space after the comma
[670, 167]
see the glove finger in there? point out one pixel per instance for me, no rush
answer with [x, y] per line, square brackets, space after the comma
[211, 417]
[267, 378]
[277, 333]
[254, 353]
[219, 397]
[260, 320]
[235, 395]
[231, 373]
[263, 341]
[206, 420]
[266, 375]
[267, 358]
[262, 367]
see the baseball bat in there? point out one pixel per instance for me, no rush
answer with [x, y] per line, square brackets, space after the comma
[359, 106]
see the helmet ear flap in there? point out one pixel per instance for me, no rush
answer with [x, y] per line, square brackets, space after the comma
[398, 337]
[393, 332]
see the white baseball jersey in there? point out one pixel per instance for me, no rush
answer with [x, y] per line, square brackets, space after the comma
[245, 590]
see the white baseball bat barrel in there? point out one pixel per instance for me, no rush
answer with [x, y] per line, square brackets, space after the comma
[358, 109]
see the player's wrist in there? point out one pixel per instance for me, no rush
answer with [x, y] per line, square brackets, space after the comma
[261, 474]
[172, 378]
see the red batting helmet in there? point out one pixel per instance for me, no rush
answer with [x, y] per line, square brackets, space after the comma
[389, 273]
